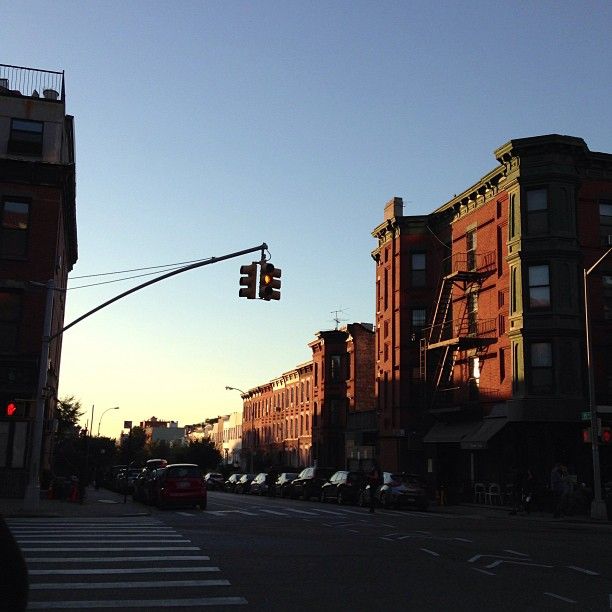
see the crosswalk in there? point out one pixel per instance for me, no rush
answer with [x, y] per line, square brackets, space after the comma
[123, 563]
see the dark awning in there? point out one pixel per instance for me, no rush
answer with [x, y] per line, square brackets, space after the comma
[450, 433]
[479, 438]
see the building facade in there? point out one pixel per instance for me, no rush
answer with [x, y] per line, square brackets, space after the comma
[480, 321]
[38, 243]
[322, 411]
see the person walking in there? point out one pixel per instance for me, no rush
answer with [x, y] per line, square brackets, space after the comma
[559, 486]
[373, 481]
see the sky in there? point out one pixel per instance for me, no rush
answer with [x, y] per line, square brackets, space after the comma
[206, 128]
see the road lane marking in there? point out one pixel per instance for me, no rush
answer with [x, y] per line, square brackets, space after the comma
[496, 563]
[94, 540]
[43, 586]
[513, 552]
[274, 512]
[186, 513]
[431, 552]
[463, 540]
[330, 512]
[107, 548]
[584, 571]
[116, 559]
[560, 597]
[123, 570]
[138, 603]
[477, 569]
[301, 511]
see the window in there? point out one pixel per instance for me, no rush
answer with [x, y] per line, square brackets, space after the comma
[470, 240]
[334, 368]
[14, 229]
[334, 411]
[537, 211]
[541, 368]
[418, 267]
[607, 292]
[472, 312]
[605, 221]
[26, 137]
[502, 364]
[539, 287]
[419, 316]
[10, 312]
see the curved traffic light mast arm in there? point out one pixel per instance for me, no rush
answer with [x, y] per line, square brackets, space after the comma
[262, 247]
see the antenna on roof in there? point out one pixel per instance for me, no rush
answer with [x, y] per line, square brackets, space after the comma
[336, 318]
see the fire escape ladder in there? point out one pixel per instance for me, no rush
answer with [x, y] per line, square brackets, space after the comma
[443, 309]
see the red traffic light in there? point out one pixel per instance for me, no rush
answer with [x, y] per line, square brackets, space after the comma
[11, 409]
[606, 435]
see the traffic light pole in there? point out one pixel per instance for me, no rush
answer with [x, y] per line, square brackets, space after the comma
[31, 500]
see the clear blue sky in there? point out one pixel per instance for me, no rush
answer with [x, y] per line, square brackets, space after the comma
[205, 128]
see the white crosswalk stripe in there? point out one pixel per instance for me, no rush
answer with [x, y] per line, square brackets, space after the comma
[53, 547]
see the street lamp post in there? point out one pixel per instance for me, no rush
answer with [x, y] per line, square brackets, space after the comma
[598, 505]
[100, 421]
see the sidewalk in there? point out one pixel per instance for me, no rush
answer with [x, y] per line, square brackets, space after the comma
[97, 504]
[494, 511]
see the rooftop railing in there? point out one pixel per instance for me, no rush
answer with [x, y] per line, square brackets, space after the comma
[31, 82]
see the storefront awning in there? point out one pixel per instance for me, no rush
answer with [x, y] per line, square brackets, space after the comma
[450, 433]
[479, 438]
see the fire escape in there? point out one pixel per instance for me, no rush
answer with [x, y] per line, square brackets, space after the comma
[455, 327]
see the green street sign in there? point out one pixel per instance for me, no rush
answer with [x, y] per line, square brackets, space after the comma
[585, 416]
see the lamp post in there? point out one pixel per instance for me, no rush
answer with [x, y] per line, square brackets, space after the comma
[598, 505]
[252, 449]
[100, 421]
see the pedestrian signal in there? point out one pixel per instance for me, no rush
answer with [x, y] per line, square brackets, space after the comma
[586, 435]
[16, 409]
[269, 282]
[606, 435]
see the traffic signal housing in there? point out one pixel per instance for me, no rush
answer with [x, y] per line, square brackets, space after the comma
[269, 282]
[606, 435]
[15, 409]
[248, 281]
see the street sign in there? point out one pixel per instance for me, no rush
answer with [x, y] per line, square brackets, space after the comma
[585, 416]
[127, 424]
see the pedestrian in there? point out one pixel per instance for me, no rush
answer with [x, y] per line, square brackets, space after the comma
[14, 582]
[373, 482]
[528, 491]
[559, 486]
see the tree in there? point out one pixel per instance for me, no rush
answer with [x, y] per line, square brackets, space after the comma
[203, 453]
[68, 411]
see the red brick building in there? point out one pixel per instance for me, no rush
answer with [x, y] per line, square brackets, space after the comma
[322, 410]
[480, 332]
[38, 243]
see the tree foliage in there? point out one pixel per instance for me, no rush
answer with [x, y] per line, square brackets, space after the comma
[68, 411]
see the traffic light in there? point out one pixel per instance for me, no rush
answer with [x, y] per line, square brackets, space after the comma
[586, 435]
[269, 282]
[15, 409]
[248, 281]
[606, 435]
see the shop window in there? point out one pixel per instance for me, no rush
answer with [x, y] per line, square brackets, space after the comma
[539, 287]
[537, 211]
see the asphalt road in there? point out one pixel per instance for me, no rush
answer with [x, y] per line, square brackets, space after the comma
[283, 555]
[292, 555]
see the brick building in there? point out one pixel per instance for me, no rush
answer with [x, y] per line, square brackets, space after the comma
[38, 243]
[322, 410]
[480, 333]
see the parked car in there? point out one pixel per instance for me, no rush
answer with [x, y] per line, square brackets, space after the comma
[309, 482]
[343, 487]
[259, 484]
[230, 483]
[180, 483]
[142, 491]
[243, 485]
[399, 490]
[283, 483]
[214, 481]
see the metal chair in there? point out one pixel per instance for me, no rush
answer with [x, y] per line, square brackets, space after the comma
[479, 493]
[494, 493]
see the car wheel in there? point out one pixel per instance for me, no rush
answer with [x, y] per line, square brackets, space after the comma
[341, 500]
[202, 505]
[323, 497]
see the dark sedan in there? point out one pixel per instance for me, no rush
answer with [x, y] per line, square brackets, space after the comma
[343, 487]
[399, 490]
[309, 482]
